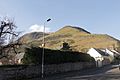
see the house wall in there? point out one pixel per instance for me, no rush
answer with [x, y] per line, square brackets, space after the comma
[93, 53]
[106, 61]
[100, 60]
[111, 55]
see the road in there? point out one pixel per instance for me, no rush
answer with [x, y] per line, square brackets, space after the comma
[110, 72]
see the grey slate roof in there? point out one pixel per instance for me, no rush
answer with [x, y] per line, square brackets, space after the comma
[101, 52]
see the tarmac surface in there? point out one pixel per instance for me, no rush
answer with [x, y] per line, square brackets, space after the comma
[110, 72]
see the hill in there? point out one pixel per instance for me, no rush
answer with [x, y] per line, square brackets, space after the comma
[78, 39]
[31, 36]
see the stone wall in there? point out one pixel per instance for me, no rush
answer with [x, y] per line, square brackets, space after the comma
[30, 71]
[58, 68]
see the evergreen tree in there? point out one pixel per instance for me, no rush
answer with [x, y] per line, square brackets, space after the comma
[66, 47]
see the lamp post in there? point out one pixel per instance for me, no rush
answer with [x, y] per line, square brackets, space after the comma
[43, 45]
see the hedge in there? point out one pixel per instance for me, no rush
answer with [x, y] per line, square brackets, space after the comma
[34, 56]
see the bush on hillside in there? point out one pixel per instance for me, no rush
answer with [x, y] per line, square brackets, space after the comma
[34, 55]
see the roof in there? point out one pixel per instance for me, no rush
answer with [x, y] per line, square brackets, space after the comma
[114, 51]
[101, 52]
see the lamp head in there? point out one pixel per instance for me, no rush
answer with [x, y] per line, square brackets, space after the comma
[48, 20]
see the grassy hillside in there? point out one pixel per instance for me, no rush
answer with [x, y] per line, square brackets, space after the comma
[78, 39]
[31, 36]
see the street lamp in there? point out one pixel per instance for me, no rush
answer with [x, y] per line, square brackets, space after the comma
[43, 45]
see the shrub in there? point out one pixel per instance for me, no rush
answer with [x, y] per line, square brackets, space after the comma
[34, 55]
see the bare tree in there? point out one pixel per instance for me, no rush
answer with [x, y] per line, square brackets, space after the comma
[8, 37]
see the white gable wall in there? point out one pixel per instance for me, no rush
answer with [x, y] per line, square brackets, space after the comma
[97, 56]
[111, 54]
[93, 53]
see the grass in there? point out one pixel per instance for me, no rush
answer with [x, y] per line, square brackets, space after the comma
[77, 39]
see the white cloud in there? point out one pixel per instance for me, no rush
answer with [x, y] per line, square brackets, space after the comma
[38, 28]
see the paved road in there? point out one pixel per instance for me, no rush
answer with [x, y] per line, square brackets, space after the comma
[113, 74]
[110, 72]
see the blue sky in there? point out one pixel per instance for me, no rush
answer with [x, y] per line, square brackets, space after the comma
[96, 16]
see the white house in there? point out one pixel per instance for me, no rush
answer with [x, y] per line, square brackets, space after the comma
[111, 54]
[116, 52]
[100, 57]
[116, 55]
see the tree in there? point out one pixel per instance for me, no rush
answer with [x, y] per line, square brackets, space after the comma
[8, 37]
[66, 47]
